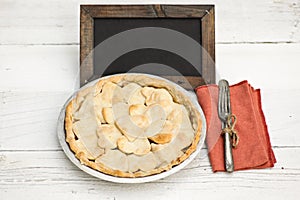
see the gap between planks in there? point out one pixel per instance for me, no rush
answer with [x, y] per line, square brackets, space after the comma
[77, 44]
[54, 167]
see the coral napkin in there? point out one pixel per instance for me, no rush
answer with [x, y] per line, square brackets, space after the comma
[254, 149]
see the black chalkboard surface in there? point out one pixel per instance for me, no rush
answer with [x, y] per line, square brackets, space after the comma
[107, 27]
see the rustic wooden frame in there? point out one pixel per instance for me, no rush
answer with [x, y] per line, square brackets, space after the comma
[204, 12]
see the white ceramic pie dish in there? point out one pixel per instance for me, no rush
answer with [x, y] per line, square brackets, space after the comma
[71, 156]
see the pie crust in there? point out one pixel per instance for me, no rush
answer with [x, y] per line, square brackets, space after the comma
[132, 126]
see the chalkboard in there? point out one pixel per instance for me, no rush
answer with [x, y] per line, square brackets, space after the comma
[110, 29]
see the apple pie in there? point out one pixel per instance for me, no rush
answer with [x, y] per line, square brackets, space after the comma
[132, 126]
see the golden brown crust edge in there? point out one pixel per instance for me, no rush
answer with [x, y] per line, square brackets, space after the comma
[141, 79]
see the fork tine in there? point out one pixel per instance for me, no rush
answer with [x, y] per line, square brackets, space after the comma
[225, 101]
[221, 101]
[228, 100]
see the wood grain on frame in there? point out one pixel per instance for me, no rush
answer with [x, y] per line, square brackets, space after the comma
[203, 12]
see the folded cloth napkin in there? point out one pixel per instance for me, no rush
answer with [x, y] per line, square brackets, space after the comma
[254, 149]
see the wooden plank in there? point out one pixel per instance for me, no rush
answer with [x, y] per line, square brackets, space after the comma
[51, 67]
[208, 46]
[39, 68]
[28, 119]
[38, 23]
[86, 45]
[185, 10]
[282, 114]
[57, 22]
[265, 66]
[50, 175]
[108, 11]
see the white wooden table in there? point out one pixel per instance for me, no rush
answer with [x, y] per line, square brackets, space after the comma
[39, 52]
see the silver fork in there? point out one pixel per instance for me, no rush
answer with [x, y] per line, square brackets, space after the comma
[224, 111]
